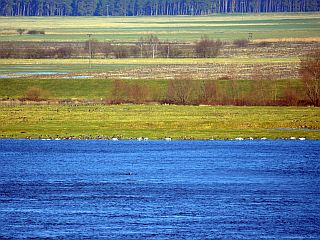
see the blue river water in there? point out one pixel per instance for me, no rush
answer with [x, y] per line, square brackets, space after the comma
[92, 189]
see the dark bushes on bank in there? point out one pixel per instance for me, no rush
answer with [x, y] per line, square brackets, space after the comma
[35, 32]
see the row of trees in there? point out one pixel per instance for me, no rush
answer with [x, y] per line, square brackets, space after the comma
[186, 91]
[149, 47]
[149, 7]
[152, 47]
[35, 52]
[263, 90]
[193, 92]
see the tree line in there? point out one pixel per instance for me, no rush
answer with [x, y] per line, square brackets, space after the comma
[186, 91]
[150, 7]
[147, 47]
[260, 91]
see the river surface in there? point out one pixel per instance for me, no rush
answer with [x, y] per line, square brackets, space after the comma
[159, 189]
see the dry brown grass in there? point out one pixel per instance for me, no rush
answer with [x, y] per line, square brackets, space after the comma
[290, 40]
[204, 71]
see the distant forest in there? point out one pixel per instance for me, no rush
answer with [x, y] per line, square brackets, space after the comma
[150, 7]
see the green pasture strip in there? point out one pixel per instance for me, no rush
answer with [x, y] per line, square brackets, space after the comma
[90, 89]
[97, 89]
[181, 36]
[57, 88]
[158, 121]
[182, 28]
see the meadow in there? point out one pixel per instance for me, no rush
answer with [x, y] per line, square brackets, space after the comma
[281, 26]
[101, 89]
[291, 36]
[158, 122]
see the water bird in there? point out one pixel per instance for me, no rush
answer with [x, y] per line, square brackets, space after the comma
[293, 138]
[139, 138]
[263, 138]
[167, 139]
[239, 139]
[302, 139]
[114, 139]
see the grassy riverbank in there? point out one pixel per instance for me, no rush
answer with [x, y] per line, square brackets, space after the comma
[158, 121]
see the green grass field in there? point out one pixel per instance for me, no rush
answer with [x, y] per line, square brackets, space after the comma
[181, 28]
[158, 121]
[96, 89]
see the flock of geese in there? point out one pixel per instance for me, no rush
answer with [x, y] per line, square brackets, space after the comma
[170, 139]
[237, 139]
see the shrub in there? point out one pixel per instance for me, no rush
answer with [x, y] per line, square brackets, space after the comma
[94, 46]
[241, 42]
[206, 47]
[32, 53]
[210, 92]
[107, 49]
[170, 50]
[263, 44]
[290, 97]
[64, 52]
[184, 91]
[120, 51]
[134, 51]
[36, 94]
[123, 92]
[6, 53]
[8, 49]
[310, 75]
[20, 30]
[35, 32]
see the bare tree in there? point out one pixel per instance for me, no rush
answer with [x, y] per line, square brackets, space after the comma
[290, 96]
[8, 50]
[92, 46]
[36, 94]
[64, 52]
[179, 91]
[310, 75]
[241, 42]
[210, 92]
[140, 43]
[119, 91]
[169, 49]
[107, 49]
[153, 41]
[207, 47]
[264, 87]
[138, 93]
[121, 51]
[182, 91]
